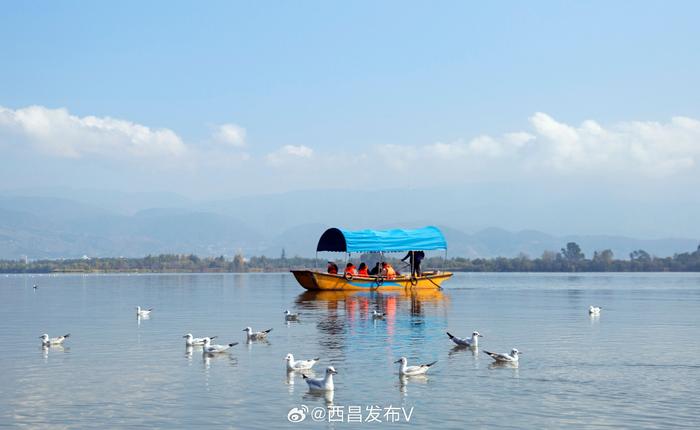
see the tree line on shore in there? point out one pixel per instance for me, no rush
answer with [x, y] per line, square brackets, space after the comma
[568, 259]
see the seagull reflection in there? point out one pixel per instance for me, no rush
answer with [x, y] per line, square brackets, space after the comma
[504, 365]
[290, 379]
[208, 358]
[327, 396]
[405, 380]
[55, 348]
[249, 343]
[456, 350]
[141, 317]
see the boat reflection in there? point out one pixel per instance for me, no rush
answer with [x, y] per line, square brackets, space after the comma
[345, 321]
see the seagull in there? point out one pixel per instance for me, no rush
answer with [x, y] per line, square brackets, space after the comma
[473, 342]
[289, 316]
[323, 384]
[377, 316]
[208, 348]
[505, 358]
[196, 341]
[46, 341]
[406, 370]
[256, 335]
[143, 312]
[293, 364]
[594, 310]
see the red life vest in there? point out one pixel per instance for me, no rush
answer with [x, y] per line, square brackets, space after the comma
[389, 272]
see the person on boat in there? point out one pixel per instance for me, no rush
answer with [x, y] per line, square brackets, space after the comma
[388, 270]
[376, 270]
[415, 259]
[362, 270]
[332, 268]
[350, 269]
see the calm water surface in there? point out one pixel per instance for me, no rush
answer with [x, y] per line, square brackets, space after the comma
[636, 366]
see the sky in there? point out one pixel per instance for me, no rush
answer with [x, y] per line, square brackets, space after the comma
[240, 98]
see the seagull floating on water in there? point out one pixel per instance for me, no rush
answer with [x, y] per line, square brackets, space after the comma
[256, 335]
[46, 341]
[594, 310]
[289, 316]
[406, 370]
[472, 343]
[323, 384]
[208, 348]
[505, 358]
[196, 341]
[378, 316]
[293, 364]
[143, 312]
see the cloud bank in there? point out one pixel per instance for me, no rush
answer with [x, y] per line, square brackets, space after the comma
[650, 149]
[57, 133]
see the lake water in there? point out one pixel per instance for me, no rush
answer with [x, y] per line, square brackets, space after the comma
[636, 366]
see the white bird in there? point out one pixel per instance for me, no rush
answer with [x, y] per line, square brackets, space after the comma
[293, 364]
[594, 310]
[323, 384]
[256, 335]
[377, 316]
[143, 312]
[406, 370]
[473, 342]
[289, 316]
[46, 341]
[505, 358]
[208, 348]
[196, 341]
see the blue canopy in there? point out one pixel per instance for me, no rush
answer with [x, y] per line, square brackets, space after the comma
[396, 240]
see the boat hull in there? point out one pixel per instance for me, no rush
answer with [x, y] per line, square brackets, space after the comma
[317, 281]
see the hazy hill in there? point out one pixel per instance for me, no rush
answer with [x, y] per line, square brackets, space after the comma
[55, 227]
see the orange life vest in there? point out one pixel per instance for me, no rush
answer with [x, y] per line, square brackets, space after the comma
[363, 272]
[389, 272]
[350, 270]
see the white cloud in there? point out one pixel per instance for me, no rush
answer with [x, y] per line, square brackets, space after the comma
[289, 153]
[56, 132]
[230, 134]
[651, 149]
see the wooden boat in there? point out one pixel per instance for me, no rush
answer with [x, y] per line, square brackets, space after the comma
[381, 241]
[312, 280]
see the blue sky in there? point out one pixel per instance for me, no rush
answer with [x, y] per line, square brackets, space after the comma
[246, 97]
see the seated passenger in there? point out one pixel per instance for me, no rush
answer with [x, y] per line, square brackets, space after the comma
[362, 270]
[332, 268]
[388, 271]
[350, 269]
[376, 270]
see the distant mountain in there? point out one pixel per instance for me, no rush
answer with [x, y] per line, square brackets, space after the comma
[53, 227]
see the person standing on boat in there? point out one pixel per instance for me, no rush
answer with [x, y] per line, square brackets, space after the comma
[332, 268]
[415, 259]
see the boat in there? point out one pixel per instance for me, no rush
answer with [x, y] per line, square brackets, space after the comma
[380, 241]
